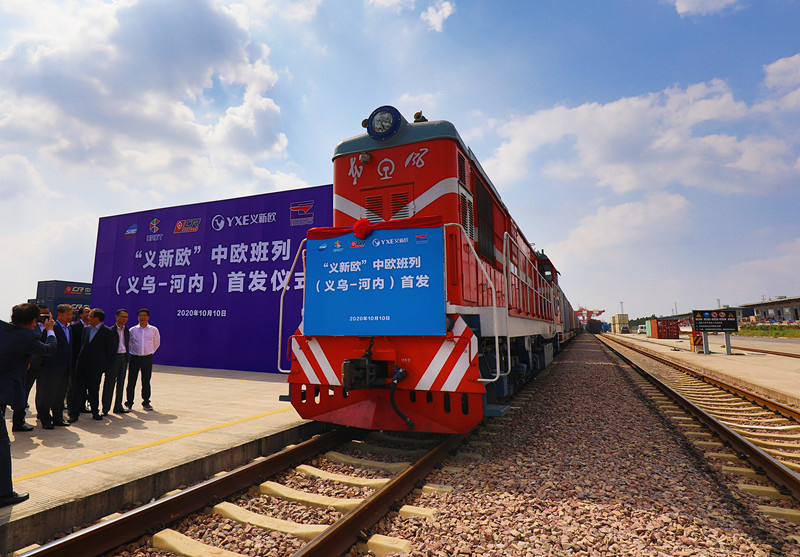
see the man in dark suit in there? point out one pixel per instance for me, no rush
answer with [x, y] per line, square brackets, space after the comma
[97, 352]
[17, 343]
[114, 382]
[52, 384]
[76, 335]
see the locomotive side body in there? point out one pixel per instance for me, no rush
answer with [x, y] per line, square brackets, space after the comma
[494, 314]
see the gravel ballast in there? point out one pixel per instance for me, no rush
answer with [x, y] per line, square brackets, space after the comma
[588, 466]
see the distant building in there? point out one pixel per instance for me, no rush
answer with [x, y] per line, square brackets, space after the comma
[780, 309]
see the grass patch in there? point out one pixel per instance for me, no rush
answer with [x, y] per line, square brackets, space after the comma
[772, 331]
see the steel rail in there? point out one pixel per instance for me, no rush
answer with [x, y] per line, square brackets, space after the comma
[105, 536]
[786, 411]
[776, 471]
[771, 352]
[342, 535]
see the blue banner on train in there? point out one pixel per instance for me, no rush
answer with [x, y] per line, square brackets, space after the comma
[211, 274]
[391, 283]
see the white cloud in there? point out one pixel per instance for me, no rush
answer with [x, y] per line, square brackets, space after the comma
[21, 180]
[783, 74]
[614, 229]
[48, 241]
[703, 7]
[244, 128]
[395, 5]
[437, 13]
[650, 142]
[257, 13]
[174, 101]
[747, 280]
[409, 104]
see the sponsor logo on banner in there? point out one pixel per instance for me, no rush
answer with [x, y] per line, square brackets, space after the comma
[422, 238]
[131, 231]
[221, 221]
[154, 228]
[391, 241]
[358, 244]
[322, 247]
[218, 222]
[187, 225]
[80, 290]
[300, 213]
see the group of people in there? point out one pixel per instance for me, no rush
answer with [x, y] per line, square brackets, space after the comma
[68, 361]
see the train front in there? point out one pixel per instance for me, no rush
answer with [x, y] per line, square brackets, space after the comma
[376, 348]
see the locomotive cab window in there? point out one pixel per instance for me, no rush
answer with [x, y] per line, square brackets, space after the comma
[547, 272]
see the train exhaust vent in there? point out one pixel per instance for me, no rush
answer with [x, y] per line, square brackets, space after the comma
[374, 208]
[467, 212]
[400, 207]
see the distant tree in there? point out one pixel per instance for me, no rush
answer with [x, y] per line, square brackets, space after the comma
[633, 323]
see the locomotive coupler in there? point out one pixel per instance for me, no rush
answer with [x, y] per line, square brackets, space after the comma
[399, 375]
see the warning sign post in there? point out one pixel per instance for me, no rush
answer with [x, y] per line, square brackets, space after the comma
[715, 321]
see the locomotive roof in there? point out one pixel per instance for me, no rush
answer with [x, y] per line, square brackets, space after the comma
[415, 132]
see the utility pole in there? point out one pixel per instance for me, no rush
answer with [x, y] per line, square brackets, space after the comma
[621, 308]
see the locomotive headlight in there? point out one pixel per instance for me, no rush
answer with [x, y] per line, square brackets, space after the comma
[383, 123]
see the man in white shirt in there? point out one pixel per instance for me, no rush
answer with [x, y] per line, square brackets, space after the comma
[145, 340]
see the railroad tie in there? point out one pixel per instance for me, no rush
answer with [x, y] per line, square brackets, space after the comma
[309, 499]
[241, 515]
[177, 543]
[341, 458]
[313, 472]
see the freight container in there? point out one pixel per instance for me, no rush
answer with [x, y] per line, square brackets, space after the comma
[594, 326]
[663, 328]
[54, 292]
[619, 323]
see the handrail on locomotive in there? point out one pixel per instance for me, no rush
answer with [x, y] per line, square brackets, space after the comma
[498, 374]
[283, 293]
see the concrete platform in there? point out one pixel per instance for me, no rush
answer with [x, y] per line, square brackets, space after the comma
[775, 377]
[203, 421]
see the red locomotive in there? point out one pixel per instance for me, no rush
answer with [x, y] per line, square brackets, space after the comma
[425, 305]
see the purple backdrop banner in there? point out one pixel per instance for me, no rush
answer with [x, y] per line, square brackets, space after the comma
[211, 275]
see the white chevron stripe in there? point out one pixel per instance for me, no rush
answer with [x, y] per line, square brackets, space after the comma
[354, 210]
[305, 365]
[459, 369]
[346, 206]
[448, 185]
[323, 362]
[435, 367]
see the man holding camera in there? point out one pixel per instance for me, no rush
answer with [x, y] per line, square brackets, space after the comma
[18, 342]
[51, 388]
[31, 376]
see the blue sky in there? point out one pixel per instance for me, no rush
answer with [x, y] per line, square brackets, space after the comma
[650, 147]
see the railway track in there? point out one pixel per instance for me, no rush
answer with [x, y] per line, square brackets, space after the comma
[764, 432]
[771, 352]
[357, 514]
[759, 350]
